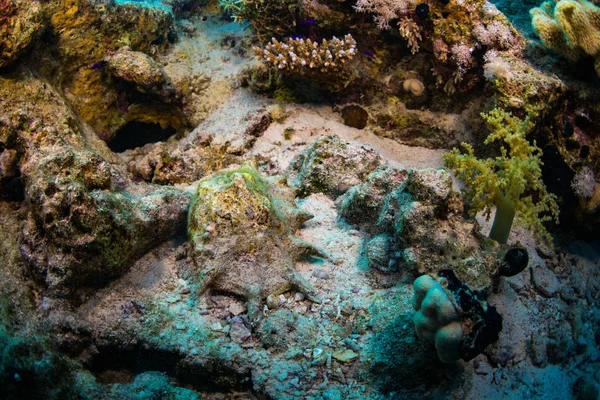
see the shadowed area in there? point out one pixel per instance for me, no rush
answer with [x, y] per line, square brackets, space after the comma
[137, 134]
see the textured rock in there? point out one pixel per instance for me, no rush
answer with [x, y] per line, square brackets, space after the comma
[378, 253]
[21, 22]
[285, 329]
[364, 205]
[142, 71]
[423, 217]
[331, 166]
[242, 227]
[238, 331]
[85, 32]
[545, 281]
[86, 221]
[85, 225]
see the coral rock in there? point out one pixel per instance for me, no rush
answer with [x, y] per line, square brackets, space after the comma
[331, 166]
[21, 22]
[241, 228]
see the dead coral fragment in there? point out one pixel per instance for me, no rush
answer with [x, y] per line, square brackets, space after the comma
[241, 227]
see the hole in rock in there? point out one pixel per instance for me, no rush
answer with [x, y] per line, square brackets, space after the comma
[137, 134]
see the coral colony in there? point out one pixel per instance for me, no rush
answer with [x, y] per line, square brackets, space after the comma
[299, 199]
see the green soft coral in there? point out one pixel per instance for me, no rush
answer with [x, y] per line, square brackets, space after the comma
[511, 182]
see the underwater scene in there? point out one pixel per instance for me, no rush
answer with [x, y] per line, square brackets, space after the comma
[299, 199]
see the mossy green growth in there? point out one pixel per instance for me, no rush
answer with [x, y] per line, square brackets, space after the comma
[510, 182]
[255, 182]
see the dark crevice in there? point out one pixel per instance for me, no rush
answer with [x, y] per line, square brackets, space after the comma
[137, 134]
[118, 365]
[12, 190]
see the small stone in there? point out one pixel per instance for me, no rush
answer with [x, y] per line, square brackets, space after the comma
[272, 302]
[355, 116]
[180, 326]
[537, 351]
[299, 296]
[317, 353]
[346, 307]
[378, 253]
[173, 298]
[237, 308]
[238, 332]
[301, 309]
[319, 357]
[352, 344]
[217, 327]
[319, 273]
[344, 355]
[545, 281]
[282, 299]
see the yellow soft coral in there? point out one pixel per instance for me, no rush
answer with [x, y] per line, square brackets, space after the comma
[569, 27]
[507, 182]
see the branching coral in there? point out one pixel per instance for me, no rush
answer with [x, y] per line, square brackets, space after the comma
[233, 7]
[384, 10]
[455, 31]
[569, 27]
[411, 32]
[320, 62]
[511, 182]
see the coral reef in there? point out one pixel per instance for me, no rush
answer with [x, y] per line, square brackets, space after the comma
[437, 320]
[84, 33]
[455, 31]
[314, 198]
[242, 227]
[83, 224]
[268, 18]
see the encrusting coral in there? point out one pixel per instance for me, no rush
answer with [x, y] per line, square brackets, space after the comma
[569, 27]
[507, 181]
[241, 227]
[326, 62]
[21, 22]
